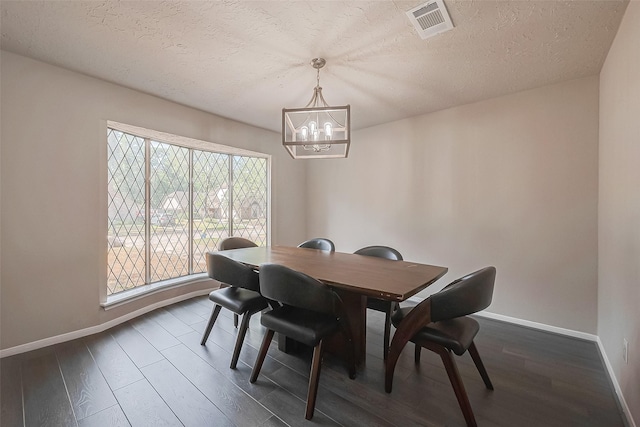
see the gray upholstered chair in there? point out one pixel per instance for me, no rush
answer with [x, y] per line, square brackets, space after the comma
[319, 243]
[440, 324]
[310, 312]
[387, 307]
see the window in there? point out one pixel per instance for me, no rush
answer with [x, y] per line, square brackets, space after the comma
[171, 202]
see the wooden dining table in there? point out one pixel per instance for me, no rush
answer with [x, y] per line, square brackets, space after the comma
[353, 277]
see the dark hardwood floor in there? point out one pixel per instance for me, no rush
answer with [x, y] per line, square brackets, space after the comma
[153, 371]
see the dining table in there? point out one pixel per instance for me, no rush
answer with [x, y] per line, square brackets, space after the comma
[353, 277]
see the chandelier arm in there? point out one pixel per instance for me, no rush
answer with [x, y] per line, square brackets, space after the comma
[313, 100]
[335, 120]
[317, 94]
[322, 97]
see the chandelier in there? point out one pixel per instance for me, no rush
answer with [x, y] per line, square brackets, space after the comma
[317, 131]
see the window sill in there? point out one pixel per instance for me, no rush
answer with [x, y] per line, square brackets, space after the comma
[125, 297]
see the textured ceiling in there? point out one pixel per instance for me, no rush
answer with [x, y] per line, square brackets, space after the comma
[246, 60]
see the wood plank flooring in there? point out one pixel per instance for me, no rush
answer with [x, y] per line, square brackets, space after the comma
[152, 371]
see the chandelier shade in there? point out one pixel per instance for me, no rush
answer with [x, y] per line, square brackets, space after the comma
[317, 131]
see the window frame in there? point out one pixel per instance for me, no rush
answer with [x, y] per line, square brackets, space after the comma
[114, 300]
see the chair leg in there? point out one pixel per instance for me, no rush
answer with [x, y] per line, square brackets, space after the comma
[417, 354]
[235, 320]
[399, 341]
[240, 339]
[314, 378]
[390, 366]
[458, 386]
[473, 351]
[264, 348]
[212, 320]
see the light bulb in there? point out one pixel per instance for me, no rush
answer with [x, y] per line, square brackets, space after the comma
[312, 127]
[328, 131]
[304, 133]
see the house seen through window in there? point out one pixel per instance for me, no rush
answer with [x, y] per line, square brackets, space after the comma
[169, 204]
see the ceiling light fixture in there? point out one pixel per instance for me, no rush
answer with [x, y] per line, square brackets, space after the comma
[317, 131]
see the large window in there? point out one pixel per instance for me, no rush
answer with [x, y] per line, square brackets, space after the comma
[171, 203]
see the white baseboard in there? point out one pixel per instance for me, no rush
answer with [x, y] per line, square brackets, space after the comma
[528, 323]
[540, 326]
[616, 386]
[23, 348]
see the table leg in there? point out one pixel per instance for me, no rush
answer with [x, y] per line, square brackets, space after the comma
[356, 308]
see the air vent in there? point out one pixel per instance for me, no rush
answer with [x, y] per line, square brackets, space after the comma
[430, 18]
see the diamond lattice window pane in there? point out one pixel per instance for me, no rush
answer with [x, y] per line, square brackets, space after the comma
[210, 204]
[169, 213]
[126, 202]
[250, 199]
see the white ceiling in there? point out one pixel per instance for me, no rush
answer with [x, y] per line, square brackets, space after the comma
[246, 60]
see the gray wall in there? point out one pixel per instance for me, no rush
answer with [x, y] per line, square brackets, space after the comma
[510, 182]
[619, 208]
[53, 217]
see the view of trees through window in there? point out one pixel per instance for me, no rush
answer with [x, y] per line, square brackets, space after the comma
[193, 199]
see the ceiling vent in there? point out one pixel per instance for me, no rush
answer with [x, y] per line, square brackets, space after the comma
[430, 18]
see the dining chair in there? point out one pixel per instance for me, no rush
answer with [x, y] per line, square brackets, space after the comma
[241, 296]
[385, 306]
[440, 323]
[235, 242]
[310, 312]
[319, 243]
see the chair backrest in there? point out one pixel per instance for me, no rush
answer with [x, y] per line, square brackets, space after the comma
[297, 289]
[380, 252]
[319, 243]
[231, 272]
[464, 296]
[235, 243]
